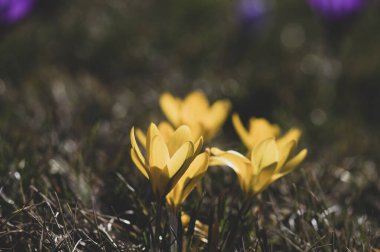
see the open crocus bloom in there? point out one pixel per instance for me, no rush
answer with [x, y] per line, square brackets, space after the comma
[165, 162]
[260, 129]
[268, 162]
[196, 112]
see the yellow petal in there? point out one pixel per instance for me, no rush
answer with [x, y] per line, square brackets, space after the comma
[264, 154]
[189, 186]
[194, 107]
[135, 146]
[159, 180]
[179, 137]
[194, 173]
[216, 151]
[292, 134]
[241, 131]
[198, 166]
[237, 162]
[264, 178]
[158, 152]
[141, 137]
[188, 181]
[232, 159]
[174, 198]
[139, 163]
[260, 129]
[284, 152]
[197, 130]
[294, 162]
[198, 146]
[216, 116]
[151, 132]
[179, 157]
[171, 107]
[166, 130]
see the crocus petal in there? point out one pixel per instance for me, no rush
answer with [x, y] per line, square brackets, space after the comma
[260, 129]
[171, 107]
[241, 130]
[188, 181]
[198, 146]
[264, 178]
[197, 130]
[294, 162]
[139, 163]
[216, 116]
[292, 134]
[174, 198]
[194, 107]
[188, 187]
[180, 136]
[158, 152]
[166, 130]
[234, 160]
[136, 147]
[198, 166]
[264, 155]
[159, 180]
[141, 137]
[284, 152]
[152, 132]
[195, 172]
[237, 162]
[179, 157]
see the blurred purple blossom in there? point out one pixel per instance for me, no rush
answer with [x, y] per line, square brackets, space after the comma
[12, 11]
[336, 10]
[252, 12]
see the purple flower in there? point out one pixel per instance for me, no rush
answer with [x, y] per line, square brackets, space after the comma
[12, 11]
[252, 12]
[336, 10]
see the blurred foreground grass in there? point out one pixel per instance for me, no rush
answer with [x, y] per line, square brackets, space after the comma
[77, 75]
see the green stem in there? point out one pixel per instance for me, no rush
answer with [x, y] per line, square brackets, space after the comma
[179, 232]
[157, 231]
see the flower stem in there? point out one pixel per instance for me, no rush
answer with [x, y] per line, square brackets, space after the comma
[179, 232]
[158, 231]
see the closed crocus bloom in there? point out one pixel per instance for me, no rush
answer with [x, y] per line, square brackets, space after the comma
[196, 112]
[336, 10]
[165, 161]
[260, 129]
[200, 229]
[268, 162]
[12, 11]
[188, 181]
[252, 12]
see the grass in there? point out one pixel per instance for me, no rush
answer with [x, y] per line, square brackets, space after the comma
[68, 184]
[73, 83]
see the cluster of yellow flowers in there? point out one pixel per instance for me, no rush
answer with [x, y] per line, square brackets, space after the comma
[175, 160]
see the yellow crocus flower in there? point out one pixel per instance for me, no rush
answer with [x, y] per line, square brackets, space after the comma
[196, 112]
[165, 162]
[268, 162]
[260, 129]
[188, 181]
[166, 130]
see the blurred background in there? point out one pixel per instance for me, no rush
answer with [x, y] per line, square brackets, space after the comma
[76, 75]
